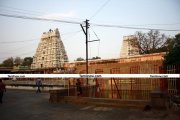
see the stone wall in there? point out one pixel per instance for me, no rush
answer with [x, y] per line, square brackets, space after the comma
[143, 64]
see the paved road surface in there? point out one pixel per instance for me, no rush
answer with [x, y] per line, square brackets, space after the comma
[26, 105]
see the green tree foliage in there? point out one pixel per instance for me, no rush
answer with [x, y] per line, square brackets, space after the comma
[96, 57]
[79, 59]
[27, 61]
[18, 61]
[9, 62]
[173, 56]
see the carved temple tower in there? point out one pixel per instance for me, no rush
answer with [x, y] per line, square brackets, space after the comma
[50, 52]
[127, 48]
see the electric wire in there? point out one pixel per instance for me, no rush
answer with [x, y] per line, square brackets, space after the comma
[39, 18]
[94, 24]
[19, 48]
[98, 46]
[126, 27]
[163, 24]
[95, 34]
[19, 9]
[99, 9]
[18, 12]
[9, 42]
[23, 11]
[70, 32]
[89, 45]
[26, 53]
[19, 54]
[75, 33]
[22, 41]
[30, 12]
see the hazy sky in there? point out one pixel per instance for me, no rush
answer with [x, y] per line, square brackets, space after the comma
[138, 13]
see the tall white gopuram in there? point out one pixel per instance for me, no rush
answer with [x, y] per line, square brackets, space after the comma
[127, 48]
[50, 52]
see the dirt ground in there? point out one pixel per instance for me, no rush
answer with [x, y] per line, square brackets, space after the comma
[27, 105]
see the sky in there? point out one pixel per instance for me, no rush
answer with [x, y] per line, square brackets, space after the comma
[154, 14]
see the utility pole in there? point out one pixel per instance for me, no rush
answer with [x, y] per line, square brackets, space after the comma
[86, 34]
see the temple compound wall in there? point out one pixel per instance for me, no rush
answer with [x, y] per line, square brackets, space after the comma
[149, 63]
[123, 88]
[51, 52]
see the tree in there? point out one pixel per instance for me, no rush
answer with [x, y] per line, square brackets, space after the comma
[151, 42]
[18, 61]
[79, 59]
[173, 56]
[9, 62]
[96, 57]
[27, 61]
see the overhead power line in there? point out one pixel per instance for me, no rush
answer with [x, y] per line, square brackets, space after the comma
[19, 9]
[18, 48]
[38, 18]
[18, 12]
[70, 32]
[30, 12]
[71, 36]
[98, 47]
[160, 24]
[22, 41]
[129, 27]
[75, 22]
[18, 41]
[99, 10]
[19, 55]
[95, 33]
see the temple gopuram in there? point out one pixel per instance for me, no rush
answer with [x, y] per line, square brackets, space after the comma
[51, 52]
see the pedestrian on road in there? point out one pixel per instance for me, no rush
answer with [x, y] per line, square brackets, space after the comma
[79, 88]
[14, 79]
[2, 90]
[38, 84]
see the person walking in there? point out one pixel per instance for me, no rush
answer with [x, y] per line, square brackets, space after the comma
[38, 84]
[79, 88]
[2, 90]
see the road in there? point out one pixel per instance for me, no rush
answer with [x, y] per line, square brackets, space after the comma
[27, 105]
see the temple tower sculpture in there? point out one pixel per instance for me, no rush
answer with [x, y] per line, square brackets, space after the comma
[127, 48]
[50, 52]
